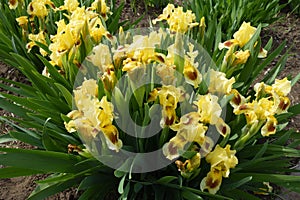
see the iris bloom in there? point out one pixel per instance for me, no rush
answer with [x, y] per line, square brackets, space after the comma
[282, 87]
[169, 96]
[189, 166]
[97, 30]
[62, 42]
[101, 7]
[22, 21]
[218, 83]
[208, 108]
[190, 70]
[244, 34]
[270, 127]
[178, 20]
[191, 128]
[167, 74]
[241, 57]
[142, 48]
[242, 37]
[40, 37]
[69, 5]
[101, 57]
[224, 158]
[13, 4]
[212, 181]
[93, 117]
[174, 147]
[38, 8]
[221, 161]
[237, 99]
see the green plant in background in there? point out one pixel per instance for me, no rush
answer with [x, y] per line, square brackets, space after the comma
[223, 17]
[74, 137]
[295, 6]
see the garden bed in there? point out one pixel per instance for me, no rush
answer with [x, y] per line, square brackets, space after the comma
[288, 28]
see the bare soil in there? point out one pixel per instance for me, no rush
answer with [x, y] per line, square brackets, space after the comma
[288, 28]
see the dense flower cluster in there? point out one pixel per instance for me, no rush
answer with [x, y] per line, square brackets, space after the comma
[176, 63]
[269, 101]
[78, 23]
[135, 56]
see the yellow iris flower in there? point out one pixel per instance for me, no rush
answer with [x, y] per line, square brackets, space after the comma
[38, 8]
[69, 5]
[178, 20]
[208, 108]
[13, 4]
[241, 57]
[22, 21]
[167, 74]
[191, 128]
[191, 73]
[282, 87]
[189, 166]
[218, 83]
[93, 116]
[101, 57]
[242, 37]
[221, 160]
[212, 181]
[270, 127]
[169, 96]
[172, 148]
[40, 37]
[101, 7]
[244, 34]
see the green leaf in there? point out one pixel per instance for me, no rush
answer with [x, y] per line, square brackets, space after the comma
[10, 172]
[94, 180]
[24, 137]
[113, 26]
[288, 181]
[6, 138]
[23, 134]
[295, 109]
[295, 79]
[230, 185]
[196, 191]
[189, 195]
[51, 144]
[284, 138]
[13, 108]
[55, 74]
[66, 94]
[166, 179]
[273, 73]
[44, 190]
[268, 60]
[45, 161]
[261, 152]
[121, 185]
[25, 90]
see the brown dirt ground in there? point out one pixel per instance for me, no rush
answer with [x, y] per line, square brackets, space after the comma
[288, 28]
